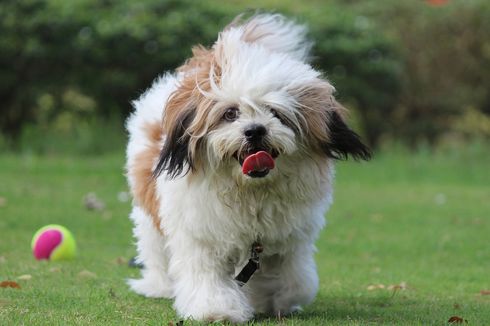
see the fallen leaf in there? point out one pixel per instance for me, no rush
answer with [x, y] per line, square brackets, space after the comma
[179, 323]
[120, 261]
[485, 292]
[87, 274]
[457, 320]
[3, 202]
[25, 277]
[55, 269]
[396, 287]
[9, 284]
[375, 287]
[3, 260]
[456, 306]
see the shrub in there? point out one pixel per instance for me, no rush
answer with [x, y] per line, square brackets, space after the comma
[66, 61]
[410, 71]
[362, 63]
[445, 52]
[86, 57]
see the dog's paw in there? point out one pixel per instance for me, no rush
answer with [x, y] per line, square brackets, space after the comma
[151, 285]
[286, 310]
[290, 299]
[215, 306]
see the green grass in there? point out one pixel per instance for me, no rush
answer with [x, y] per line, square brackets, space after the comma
[420, 219]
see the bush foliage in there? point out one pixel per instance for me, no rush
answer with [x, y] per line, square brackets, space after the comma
[69, 60]
[445, 60]
[409, 70]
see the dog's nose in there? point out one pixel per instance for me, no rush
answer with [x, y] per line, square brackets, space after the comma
[255, 132]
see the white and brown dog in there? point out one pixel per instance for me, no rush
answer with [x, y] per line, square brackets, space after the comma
[235, 148]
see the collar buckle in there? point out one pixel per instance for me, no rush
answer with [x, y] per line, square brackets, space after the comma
[252, 265]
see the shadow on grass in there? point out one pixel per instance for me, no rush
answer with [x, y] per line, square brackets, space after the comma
[366, 310]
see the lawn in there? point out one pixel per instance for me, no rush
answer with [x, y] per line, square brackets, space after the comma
[407, 243]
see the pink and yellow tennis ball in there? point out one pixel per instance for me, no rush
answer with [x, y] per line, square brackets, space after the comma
[53, 242]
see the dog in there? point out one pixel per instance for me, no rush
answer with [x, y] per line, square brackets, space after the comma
[230, 162]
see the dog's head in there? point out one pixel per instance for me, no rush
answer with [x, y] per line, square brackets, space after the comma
[253, 92]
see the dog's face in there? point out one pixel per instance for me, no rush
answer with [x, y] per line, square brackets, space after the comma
[238, 99]
[246, 129]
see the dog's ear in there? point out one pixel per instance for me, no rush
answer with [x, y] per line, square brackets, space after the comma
[185, 118]
[325, 125]
[175, 158]
[342, 140]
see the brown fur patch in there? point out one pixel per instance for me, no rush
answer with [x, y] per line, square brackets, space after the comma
[197, 71]
[316, 101]
[186, 97]
[144, 189]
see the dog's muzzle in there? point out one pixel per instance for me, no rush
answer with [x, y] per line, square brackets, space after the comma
[256, 159]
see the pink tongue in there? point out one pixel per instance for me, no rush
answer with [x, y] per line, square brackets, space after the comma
[257, 162]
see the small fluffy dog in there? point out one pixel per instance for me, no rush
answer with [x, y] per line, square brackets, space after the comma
[236, 148]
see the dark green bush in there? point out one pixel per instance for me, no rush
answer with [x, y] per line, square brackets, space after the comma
[363, 65]
[68, 60]
[411, 72]
[445, 80]
[65, 62]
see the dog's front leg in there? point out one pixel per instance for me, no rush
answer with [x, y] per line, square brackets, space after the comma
[204, 287]
[298, 277]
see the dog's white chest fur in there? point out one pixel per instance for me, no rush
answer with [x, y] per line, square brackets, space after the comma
[229, 215]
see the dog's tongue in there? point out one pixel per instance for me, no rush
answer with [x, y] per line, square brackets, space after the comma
[259, 161]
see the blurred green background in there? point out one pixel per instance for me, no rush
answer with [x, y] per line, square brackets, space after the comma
[415, 73]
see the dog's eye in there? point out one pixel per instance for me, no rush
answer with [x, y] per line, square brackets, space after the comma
[277, 115]
[274, 113]
[231, 114]
[284, 119]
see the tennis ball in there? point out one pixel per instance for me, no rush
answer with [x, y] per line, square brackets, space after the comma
[53, 242]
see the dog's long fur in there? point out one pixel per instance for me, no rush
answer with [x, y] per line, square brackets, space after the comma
[196, 214]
